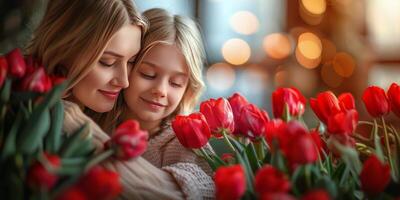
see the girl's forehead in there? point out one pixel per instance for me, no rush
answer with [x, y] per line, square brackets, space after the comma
[165, 57]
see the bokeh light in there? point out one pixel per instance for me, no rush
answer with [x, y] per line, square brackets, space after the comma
[220, 76]
[244, 22]
[236, 51]
[330, 77]
[343, 64]
[308, 51]
[277, 45]
[328, 50]
[316, 7]
[312, 11]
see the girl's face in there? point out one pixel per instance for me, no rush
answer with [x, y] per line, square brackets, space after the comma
[100, 88]
[157, 85]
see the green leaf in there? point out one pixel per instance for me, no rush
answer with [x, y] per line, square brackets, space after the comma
[236, 144]
[5, 91]
[53, 140]
[377, 142]
[350, 157]
[10, 142]
[328, 184]
[247, 168]
[74, 141]
[18, 97]
[277, 159]
[54, 95]
[252, 155]
[34, 131]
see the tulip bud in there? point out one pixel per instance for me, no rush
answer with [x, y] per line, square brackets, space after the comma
[270, 180]
[192, 131]
[128, 140]
[40, 177]
[38, 81]
[3, 70]
[375, 176]
[230, 182]
[394, 98]
[290, 96]
[376, 101]
[16, 62]
[219, 116]
[100, 183]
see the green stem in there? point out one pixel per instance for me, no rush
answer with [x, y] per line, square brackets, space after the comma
[205, 154]
[228, 142]
[387, 144]
[259, 149]
[99, 158]
[307, 172]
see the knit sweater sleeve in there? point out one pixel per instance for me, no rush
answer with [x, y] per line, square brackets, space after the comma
[139, 178]
[191, 171]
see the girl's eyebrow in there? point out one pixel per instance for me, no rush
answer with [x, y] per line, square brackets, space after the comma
[113, 54]
[156, 66]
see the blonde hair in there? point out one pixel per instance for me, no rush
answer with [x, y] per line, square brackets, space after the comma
[178, 30]
[74, 33]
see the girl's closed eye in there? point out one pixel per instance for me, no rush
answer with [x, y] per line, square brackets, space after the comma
[148, 75]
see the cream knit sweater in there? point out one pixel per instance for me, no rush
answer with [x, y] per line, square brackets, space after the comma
[192, 172]
[182, 179]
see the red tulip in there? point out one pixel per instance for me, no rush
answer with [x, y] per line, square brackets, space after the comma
[274, 130]
[292, 97]
[270, 180]
[394, 98]
[38, 81]
[318, 194]
[128, 140]
[237, 101]
[73, 193]
[252, 121]
[302, 150]
[31, 64]
[40, 177]
[16, 63]
[375, 176]
[319, 144]
[3, 70]
[219, 116]
[56, 80]
[192, 131]
[228, 158]
[376, 101]
[344, 122]
[230, 182]
[326, 104]
[100, 183]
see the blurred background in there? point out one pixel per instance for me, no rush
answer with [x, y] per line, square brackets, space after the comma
[256, 46]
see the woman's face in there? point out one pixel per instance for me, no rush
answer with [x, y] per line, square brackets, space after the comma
[99, 90]
[157, 85]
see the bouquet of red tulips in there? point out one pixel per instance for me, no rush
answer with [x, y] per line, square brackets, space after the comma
[283, 158]
[37, 161]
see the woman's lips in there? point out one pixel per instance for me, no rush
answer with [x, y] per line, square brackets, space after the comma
[110, 94]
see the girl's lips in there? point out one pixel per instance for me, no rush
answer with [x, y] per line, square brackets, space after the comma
[153, 105]
[110, 94]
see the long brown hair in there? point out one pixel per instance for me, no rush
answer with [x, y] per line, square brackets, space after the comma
[74, 33]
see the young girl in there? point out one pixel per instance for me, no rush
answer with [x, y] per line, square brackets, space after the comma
[167, 81]
[94, 43]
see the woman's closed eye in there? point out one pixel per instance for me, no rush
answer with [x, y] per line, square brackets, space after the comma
[106, 63]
